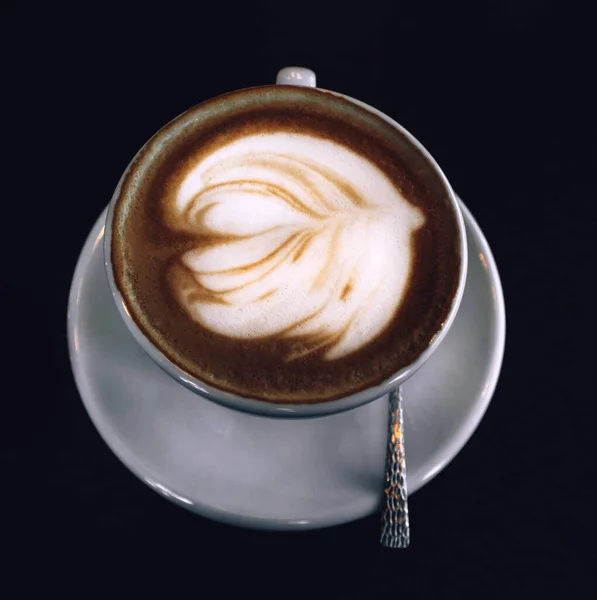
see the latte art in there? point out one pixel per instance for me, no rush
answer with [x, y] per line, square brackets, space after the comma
[285, 244]
[298, 237]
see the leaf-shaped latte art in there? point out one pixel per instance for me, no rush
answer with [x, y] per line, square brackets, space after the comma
[297, 238]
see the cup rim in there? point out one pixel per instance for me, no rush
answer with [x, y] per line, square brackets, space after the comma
[292, 410]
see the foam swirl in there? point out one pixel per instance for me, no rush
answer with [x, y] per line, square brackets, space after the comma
[297, 238]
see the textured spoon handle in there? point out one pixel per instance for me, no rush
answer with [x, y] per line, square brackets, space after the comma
[395, 531]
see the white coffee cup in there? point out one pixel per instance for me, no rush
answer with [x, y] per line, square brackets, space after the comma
[298, 77]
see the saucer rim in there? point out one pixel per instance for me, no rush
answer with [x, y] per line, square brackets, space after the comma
[128, 458]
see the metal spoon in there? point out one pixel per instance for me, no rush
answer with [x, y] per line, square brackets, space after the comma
[395, 532]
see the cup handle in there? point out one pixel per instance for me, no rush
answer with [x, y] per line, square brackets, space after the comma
[296, 76]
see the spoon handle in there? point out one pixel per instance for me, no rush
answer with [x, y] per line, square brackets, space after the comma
[395, 531]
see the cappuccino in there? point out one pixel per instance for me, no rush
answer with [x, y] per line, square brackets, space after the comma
[285, 244]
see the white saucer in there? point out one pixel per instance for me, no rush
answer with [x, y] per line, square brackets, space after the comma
[279, 474]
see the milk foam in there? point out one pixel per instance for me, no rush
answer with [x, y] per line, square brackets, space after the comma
[298, 238]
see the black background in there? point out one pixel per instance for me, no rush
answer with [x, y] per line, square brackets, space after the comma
[500, 92]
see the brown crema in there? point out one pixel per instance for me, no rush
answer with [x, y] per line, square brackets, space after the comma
[146, 249]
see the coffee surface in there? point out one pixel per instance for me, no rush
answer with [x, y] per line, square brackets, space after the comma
[285, 244]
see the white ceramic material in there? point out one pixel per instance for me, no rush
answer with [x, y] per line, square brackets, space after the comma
[296, 76]
[275, 473]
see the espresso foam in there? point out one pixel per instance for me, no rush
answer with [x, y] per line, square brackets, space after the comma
[288, 246]
[283, 251]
